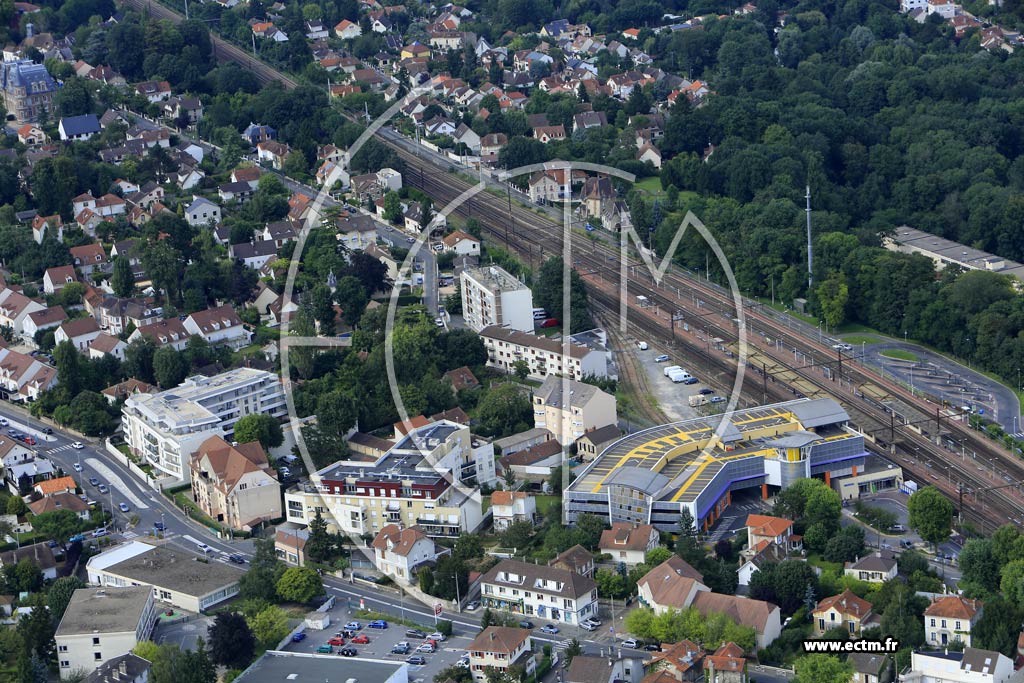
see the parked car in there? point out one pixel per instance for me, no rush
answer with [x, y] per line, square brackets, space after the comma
[592, 621]
[325, 649]
[652, 647]
[336, 641]
[361, 639]
[299, 637]
[631, 643]
[400, 649]
[77, 538]
[415, 633]
[102, 488]
[525, 624]
[662, 358]
[705, 391]
[102, 531]
[642, 345]
[377, 623]
[717, 399]
[353, 626]
[347, 652]
[438, 636]
[416, 660]
[549, 628]
[550, 322]
[472, 605]
[427, 648]
[587, 626]
[94, 481]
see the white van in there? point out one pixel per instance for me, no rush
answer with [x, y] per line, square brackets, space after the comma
[672, 368]
[642, 345]
[680, 376]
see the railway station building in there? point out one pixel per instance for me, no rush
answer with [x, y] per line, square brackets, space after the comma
[651, 476]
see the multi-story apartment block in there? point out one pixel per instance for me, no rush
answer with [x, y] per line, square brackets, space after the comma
[101, 624]
[493, 296]
[535, 590]
[498, 648]
[951, 618]
[28, 89]
[416, 482]
[166, 428]
[235, 484]
[570, 416]
[544, 356]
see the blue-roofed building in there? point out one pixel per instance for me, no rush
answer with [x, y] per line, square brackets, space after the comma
[79, 127]
[28, 89]
[256, 133]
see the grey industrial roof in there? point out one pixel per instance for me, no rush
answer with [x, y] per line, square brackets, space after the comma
[794, 440]
[281, 667]
[104, 610]
[177, 570]
[818, 412]
[638, 478]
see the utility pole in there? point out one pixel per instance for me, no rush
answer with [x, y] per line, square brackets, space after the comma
[810, 248]
[764, 380]
[508, 225]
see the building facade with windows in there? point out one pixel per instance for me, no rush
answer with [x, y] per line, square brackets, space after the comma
[493, 296]
[28, 89]
[569, 409]
[543, 356]
[498, 648]
[101, 624]
[547, 593]
[166, 428]
[234, 483]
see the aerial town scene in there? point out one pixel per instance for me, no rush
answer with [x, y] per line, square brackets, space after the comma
[512, 341]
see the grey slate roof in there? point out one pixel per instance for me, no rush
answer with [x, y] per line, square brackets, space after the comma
[79, 125]
[817, 412]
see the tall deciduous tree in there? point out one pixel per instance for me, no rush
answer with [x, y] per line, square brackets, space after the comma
[170, 367]
[232, 643]
[822, 669]
[259, 427]
[299, 584]
[931, 514]
[123, 279]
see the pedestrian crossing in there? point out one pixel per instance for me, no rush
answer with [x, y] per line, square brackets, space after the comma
[722, 529]
[60, 449]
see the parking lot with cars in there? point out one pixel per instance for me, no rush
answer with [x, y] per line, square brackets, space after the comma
[674, 396]
[427, 652]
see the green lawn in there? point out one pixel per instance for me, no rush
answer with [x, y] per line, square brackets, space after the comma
[900, 354]
[544, 503]
[858, 339]
[650, 185]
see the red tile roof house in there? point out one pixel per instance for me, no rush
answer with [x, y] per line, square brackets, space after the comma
[219, 325]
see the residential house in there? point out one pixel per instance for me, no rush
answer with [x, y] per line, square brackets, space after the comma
[569, 417]
[247, 174]
[629, 544]
[78, 128]
[32, 135]
[461, 243]
[115, 314]
[273, 153]
[154, 91]
[39, 554]
[27, 87]
[61, 501]
[239, 192]
[24, 378]
[15, 308]
[399, 552]
[597, 191]
[80, 332]
[498, 648]
[548, 593]
[356, 231]
[763, 617]
[346, 30]
[256, 133]
[544, 356]
[682, 661]
[625, 667]
[234, 484]
[576, 559]
[553, 184]
[46, 319]
[468, 137]
[89, 258]
[593, 442]
[49, 487]
[769, 553]
[951, 618]
[128, 668]
[548, 134]
[220, 325]
[170, 332]
[181, 109]
[673, 584]
[765, 530]
[846, 611]
[55, 278]
[726, 665]
[105, 344]
[535, 464]
[122, 390]
[254, 254]
[877, 567]
[43, 225]
[290, 545]
[202, 212]
[589, 119]
[871, 668]
[316, 30]
[508, 507]
[649, 153]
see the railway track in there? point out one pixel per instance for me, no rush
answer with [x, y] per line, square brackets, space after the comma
[873, 400]
[773, 348]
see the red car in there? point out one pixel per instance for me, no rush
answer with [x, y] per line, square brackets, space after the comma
[336, 641]
[550, 322]
[361, 639]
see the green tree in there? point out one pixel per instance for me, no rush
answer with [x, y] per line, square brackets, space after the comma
[931, 514]
[822, 669]
[657, 556]
[979, 566]
[548, 295]
[58, 595]
[319, 545]
[998, 626]
[232, 643]
[260, 581]
[122, 280]
[170, 367]
[259, 427]
[610, 584]
[833, 294]
[504, 410]
[60, 525]
[299, 584]
[336, 413]
[392, 207]
[269, 627]
[36, 630]
[521, 369]
[351, 296]
[138, 359]
[175, 665]
[23, 577]
[323, 309]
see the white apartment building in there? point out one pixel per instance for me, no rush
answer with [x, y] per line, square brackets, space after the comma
[548, 593]
[569, 417]
[101, 624]
[499, 647]
[493, 296]
[543, 356]
[166, 428]
[970, 666]
[417, 482]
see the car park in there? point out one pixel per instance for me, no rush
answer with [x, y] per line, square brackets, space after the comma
[347, 652]
[690, 380]
[426, 648]
[123, 507]
[377, 623]
[631, 643]
[549, 628]
[299, 637]
[662, 358]
[416, 660]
